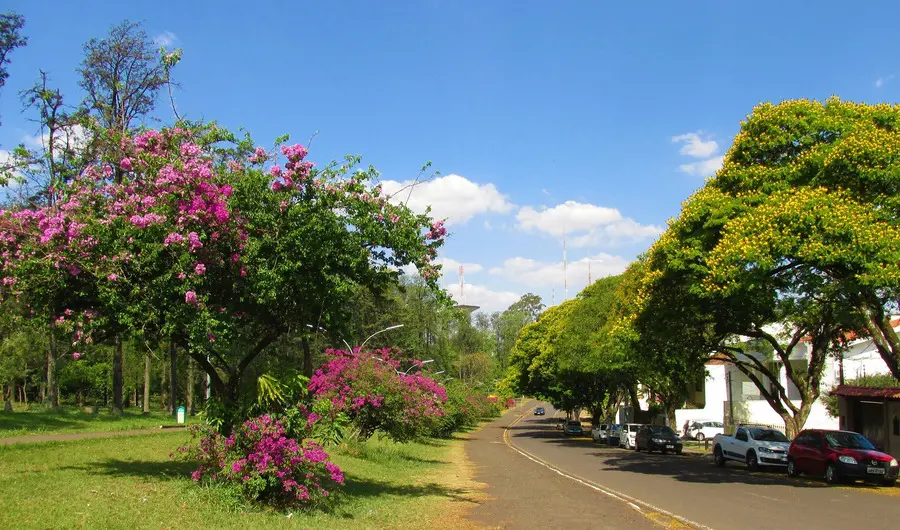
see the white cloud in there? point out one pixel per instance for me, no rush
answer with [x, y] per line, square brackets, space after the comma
[704, 168]
[881, 81]
[694, 145]
[451, 197]
[166, 38]
[449, 268]
[585, 224]
[74, 137]
[535, 274]
[484, 297]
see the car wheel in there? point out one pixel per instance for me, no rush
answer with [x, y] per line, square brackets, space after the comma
[700, 437]
[637, 447]
[792, 469]
[678, 452]
[891, 482]
[831, 474]
[752, 462]
[719, 457]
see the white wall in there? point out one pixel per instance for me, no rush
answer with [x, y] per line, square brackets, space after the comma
[861, 358]
[715, 399]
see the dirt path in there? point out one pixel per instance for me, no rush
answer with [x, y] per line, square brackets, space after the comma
[36, 438]
[524, 494]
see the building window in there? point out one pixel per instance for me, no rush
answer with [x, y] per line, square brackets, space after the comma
[896, 426]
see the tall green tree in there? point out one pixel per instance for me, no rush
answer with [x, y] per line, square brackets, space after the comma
[11, 37]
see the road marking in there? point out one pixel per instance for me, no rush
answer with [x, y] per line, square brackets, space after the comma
[656, 514]
[764, 497]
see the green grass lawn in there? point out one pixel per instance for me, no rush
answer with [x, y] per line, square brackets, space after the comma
[73, 420]
[130, 482]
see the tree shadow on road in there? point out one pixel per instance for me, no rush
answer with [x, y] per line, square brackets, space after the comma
[685, 468]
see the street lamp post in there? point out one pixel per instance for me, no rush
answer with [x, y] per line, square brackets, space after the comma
[418, 365]
[389, 328]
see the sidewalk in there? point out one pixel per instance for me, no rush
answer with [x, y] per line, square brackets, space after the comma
[37, 438]
[527, 495]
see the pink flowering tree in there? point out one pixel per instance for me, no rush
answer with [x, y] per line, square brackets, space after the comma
[191, 234]
[369, 388]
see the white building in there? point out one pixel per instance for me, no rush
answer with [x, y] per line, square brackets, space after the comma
[710, 400]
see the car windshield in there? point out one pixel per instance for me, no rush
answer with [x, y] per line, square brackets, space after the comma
[661, 429]
[848, 440]
[767, 435]
[575, 422]
[633, 428]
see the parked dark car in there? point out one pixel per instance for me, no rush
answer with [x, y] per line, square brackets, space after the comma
[839, 456]
[539, 411]
[657, 438]
[613, 433]
[573, 428]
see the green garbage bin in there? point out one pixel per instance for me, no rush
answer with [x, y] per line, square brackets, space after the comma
[179, 414]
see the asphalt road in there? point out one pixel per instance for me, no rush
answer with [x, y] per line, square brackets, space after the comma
[526, 495]
[693, 488]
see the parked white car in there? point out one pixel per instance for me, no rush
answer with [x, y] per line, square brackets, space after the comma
[755, 446]
[629, 434]
[702, 429]
[598, 432]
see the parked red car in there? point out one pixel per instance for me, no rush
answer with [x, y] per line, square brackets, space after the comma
[838, 456]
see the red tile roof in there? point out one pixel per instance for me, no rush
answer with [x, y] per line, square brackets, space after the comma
[718, 359]
[867, 391]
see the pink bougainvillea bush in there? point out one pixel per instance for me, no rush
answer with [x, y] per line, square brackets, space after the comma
[264, 463]
[368, 387]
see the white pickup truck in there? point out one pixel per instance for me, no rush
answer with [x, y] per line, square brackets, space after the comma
[755, 446]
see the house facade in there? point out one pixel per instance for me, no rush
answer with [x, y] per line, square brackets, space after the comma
[726, 393]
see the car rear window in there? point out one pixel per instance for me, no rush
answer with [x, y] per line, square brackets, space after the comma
[633, 428]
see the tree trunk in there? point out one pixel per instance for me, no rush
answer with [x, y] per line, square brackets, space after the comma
[189, 389]
[173, 380]
[164, 387]
[147, 366]
[117, 381]
[10, 395]
[307, 357]
[51, 396]
[670, 415]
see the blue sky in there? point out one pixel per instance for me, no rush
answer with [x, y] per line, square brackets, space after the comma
[592, 118]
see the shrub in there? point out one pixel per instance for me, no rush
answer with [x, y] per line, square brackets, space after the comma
[369, 390]
[465, 407]
[264, 464]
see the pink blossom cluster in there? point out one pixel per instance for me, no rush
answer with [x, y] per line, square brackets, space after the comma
[370, 389]
[265, 463]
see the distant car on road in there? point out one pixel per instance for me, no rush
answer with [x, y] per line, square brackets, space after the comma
[613, 434]
[657, 438]
[539, 411]
[702, 429]
[573, 428]
[629, 433]
[755, 446]
[838, 456]
[598, 432]
[560, 424]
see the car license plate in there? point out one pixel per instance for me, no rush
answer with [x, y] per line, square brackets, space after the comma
[876, 470]
[670, 447]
